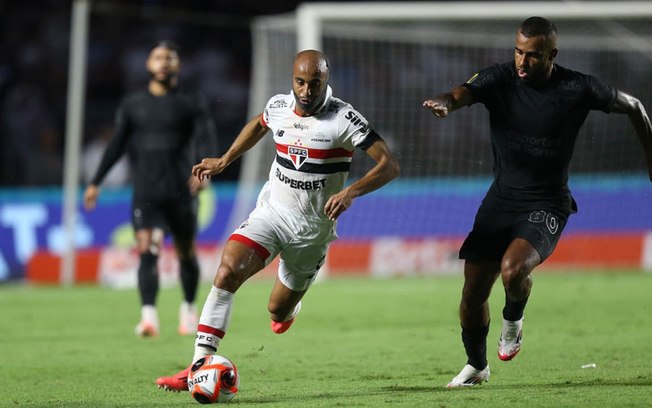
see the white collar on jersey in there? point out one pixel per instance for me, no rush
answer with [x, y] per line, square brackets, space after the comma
[324, 105]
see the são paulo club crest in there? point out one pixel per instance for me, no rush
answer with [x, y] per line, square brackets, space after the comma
[298, 154]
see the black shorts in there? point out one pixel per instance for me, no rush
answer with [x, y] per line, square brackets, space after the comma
[178, 217]
[494, 230]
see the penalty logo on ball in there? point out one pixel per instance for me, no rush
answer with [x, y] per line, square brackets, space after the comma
[213, 379]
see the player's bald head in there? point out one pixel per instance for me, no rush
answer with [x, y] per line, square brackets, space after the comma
[312, 63]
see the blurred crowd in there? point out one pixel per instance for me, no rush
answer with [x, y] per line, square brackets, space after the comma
[214, 38]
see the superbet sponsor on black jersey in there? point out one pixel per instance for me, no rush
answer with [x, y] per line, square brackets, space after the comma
[165, 135]
[313, 153]
[533, 131]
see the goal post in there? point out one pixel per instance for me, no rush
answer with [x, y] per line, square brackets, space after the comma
[387, 57]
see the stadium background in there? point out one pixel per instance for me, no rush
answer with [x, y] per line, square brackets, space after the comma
[435, 213]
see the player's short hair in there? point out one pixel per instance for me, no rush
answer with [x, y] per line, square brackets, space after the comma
[536, 26]
[170, 45]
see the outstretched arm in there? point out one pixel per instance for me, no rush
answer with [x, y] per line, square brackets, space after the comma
[203, 141]
[639, 119]
[250, 134]
[116, 148]
[383, 172]
[442, 104]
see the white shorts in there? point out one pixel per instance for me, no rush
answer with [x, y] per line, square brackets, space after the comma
[301, 243]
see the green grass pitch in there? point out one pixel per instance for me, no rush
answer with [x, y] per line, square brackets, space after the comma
[357, 343]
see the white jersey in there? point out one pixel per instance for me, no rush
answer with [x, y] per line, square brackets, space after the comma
[313, 153]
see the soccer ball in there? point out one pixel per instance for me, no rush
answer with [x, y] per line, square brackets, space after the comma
[213, 379]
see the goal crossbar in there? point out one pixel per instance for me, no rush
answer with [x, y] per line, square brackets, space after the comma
[311, 16]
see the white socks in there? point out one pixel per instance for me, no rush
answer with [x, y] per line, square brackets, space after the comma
[149, 314]
[187, 308]
[213, 322]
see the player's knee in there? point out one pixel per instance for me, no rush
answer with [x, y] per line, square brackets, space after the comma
[228, 278]
[513, 273]
[473, 301]
[185, 249]
[476, 292]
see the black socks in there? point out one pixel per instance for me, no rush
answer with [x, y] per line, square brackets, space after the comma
[148, 278]
[475, 344]
[189, 278]
[513, 310]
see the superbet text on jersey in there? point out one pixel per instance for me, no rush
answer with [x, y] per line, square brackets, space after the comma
[313, 153]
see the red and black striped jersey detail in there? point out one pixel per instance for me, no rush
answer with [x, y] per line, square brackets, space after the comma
[319, 153]
[314, 168]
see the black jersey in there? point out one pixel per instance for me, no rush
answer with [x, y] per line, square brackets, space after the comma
[533, 131]
[165, 135]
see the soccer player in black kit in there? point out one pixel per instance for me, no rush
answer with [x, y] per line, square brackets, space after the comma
[165, 130]
[536, 109]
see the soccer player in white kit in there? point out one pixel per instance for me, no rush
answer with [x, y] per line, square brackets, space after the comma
[315, 135]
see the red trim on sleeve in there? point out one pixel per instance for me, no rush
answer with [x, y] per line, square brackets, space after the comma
[211, 330]
[262, 121]
[260, 250]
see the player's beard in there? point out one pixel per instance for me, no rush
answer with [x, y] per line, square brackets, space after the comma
[168, 80]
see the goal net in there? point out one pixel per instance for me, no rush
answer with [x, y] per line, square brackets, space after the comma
[386, 58]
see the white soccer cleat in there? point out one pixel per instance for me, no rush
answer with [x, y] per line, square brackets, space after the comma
[511, 338]
[149, 325]
[188, 320]
[469, 376]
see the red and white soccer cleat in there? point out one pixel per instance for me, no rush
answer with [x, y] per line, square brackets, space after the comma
[282, 327]
[511, 338]
[177, 382]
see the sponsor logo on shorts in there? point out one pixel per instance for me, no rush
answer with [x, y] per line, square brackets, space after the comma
[552, 223]
[539, 216]
[301, 184]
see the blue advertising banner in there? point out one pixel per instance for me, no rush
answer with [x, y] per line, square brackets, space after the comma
[30, 220]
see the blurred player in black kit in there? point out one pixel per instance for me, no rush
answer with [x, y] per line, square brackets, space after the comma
[165, 130]
[536, 109]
